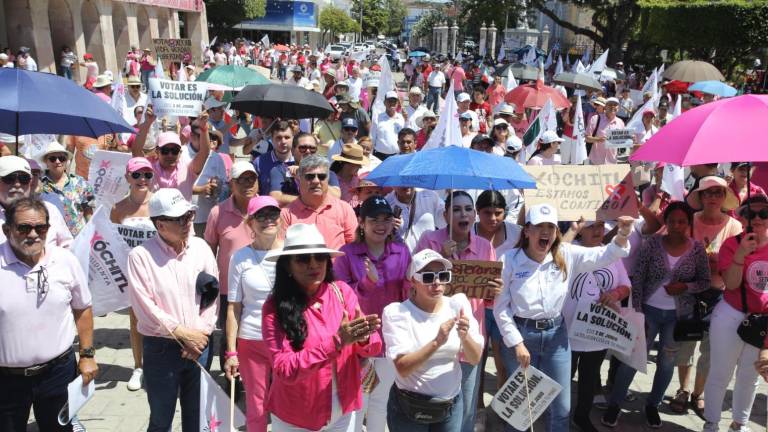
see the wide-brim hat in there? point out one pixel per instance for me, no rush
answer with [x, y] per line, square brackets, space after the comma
[102, 81]
[694, 197]
[302, 239]
[352, 153]
[53, 148]
[427, 114]
[133, 80]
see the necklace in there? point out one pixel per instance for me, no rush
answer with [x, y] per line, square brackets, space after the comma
[130, 198]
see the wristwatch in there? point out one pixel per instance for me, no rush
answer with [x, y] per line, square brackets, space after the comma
[88, 352]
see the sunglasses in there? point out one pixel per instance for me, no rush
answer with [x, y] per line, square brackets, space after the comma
[180, 220]
[715, 193]
[246, 180]
[309, 148]
[312, 176]
[22, 178]
[147, 175]
[751, 214]
[428, 278]
[54, 159]
[267, 215]
[306, 258]
[349, 129]
[170, 150]
[25, 229]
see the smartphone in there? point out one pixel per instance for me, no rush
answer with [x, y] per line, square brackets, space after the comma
[398, 211]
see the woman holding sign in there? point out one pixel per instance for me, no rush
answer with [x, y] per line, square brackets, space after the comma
[132, 212]
[536, 277]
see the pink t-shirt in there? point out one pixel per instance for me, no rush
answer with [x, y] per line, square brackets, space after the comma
[334, 218]
[600, 154]
[755, 277]
[226, 229]
[458, 76]
[181, 177]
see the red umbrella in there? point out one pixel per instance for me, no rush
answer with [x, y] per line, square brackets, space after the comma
[280, 47]
[535, 96]
[677, 87]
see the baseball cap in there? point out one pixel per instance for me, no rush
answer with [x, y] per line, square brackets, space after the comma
[500, 122]
[415, 90]
[12, 164]
[649, 111]
[465, 116]
[212, 102]
[169, 202]
[599, 101]
[166, 138]
[391, 95]
[541, 213]
[548, 137]
[374, 206]
[343, 99]
[137, 163]
[423, 258]
[241, 167]
[296, 69]
[259, 202]
[348, 122]
[462, 97]
[514, 144]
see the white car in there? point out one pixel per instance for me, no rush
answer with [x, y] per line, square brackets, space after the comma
[335, 52]
[359, 47]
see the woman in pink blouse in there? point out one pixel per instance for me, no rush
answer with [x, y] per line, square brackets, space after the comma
[316, 335]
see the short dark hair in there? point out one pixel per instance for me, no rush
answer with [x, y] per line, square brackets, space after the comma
[281, 126]
[22, 204]
[301, 135]
[406, 131]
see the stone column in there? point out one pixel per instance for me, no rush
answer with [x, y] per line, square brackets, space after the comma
[545, 38]
[111, 62]
[197, 31]
[454, 41]
[433, 45]
[133, 25]
[483, 35]
[154, 28]
[42, 45]
[522, 22]
[445, 46]
[173, 25]
[3, 25]
[76, 7]
[492, 42]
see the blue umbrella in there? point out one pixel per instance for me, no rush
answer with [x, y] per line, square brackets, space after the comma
[417, 54]
[452, 167]
[713, 87]
[41, 103]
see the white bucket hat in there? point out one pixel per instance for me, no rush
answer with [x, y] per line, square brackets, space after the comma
[301, 239]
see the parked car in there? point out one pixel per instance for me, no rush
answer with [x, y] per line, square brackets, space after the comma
[470, 44]
[335, 51]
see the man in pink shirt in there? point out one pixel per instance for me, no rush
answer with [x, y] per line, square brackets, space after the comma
[597, 130]
[458, 76]
[334, 218]
[173, 291]
[45, 300]
[496, 92]
[103, 88]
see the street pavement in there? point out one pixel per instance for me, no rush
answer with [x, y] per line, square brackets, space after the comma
[115, 409]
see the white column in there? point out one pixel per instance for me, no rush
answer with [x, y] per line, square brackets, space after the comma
[111, 61]
[483, 31]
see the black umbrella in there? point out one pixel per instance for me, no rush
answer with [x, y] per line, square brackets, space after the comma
[577, 81]
[281, 101]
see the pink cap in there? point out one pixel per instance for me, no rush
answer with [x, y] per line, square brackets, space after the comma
[259, 202]
[166, 138]
[649, 111]
[137, 163]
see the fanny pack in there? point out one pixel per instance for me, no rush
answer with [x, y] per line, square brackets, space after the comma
[423, 409]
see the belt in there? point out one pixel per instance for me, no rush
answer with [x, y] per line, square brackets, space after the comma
[36, 369]
[436, 87]
[540, 324]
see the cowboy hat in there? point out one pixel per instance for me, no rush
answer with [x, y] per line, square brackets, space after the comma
[302, 239]
[352, 153]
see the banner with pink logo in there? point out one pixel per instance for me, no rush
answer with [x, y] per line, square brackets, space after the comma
[107, 176]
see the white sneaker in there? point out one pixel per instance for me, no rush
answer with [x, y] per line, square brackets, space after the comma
[741, 428]
[135, 382]
[76, 425]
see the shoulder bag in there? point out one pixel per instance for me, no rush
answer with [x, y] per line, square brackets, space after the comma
[753, 329]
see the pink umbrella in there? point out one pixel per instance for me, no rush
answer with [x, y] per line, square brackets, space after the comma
[728, 130]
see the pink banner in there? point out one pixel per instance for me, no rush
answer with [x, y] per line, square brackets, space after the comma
[185, 5]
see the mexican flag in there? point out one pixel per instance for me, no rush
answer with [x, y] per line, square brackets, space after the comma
[544, 121]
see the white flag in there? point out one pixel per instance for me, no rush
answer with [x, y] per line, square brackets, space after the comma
[660, 73]
[547, 120]
[181, 75]
[158, 69]
[559, 66]
[265, 41]
[447, 132]
[653, 82]
[386, 84]
[548, 61]
[678, 109]
[214, 407]
[579, 68]
[597, 67]
[673, 182]
[637, 119]
[511, 81]
[579, 154]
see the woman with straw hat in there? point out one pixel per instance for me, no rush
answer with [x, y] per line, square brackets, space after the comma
[346, 165]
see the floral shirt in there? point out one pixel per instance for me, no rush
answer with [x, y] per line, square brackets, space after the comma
[73, 195]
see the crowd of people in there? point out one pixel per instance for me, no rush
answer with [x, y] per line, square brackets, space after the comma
[329, 290]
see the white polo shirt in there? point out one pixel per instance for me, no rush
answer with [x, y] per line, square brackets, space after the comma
[384, 134]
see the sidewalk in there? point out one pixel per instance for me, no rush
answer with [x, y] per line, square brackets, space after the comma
[115, 409]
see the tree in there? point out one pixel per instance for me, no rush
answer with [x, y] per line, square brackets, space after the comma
[397, 12]
[423, 27]
[380, 16]
[223, 14]
[476, 12]
[334, 21]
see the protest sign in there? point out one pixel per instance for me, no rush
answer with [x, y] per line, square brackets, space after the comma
[106, 175]
[575, 190]
[621, 201]
[471, 277]
[601, 327]
[177, 98]
[135, 236]
[103, 255]
[172, 49]
[524, 397]
[620, 138]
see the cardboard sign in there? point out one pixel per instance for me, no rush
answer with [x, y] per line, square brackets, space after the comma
[621, 201]
[106, 175]
[525, 388]
[471, 277]
[172, 49]
[620, 138]
[602, 328]
[575, 190]
[134, 236]
[177, 98]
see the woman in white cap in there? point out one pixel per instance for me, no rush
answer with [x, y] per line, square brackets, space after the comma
[528, 311]
[72, 190]
[546, 154]
[250, 281]
[317, 337]
[500, 134]
[375, 266]
[424, 337]
[131, 214]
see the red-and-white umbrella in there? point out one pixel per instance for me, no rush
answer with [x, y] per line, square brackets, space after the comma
[535, 95]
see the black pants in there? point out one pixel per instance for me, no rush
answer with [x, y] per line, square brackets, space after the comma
[46, 394]
[588, 366]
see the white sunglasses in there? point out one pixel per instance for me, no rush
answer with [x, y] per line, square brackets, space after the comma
[428, 278]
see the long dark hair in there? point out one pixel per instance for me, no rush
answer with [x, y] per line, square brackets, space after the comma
[291, 301]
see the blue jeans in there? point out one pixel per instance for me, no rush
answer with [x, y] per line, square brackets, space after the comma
[657, 322]
[66, 72]
[551, 354]
[470, 387]
[168, 376]
[398, 421]
[433, 99]
[282, 72]
[145, 74]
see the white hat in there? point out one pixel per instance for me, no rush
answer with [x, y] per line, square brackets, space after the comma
[391, 95]
[241, 167]
[10, 139]
[415, 90]
[548, 137]
[462, 97]
[3, 56]
[694, 197]
[302, 239]
[169, 202]
[507, 109]
[55, 147]
[12, 164]
[102, 81]
[541, 213]
[212, 102]
[427, 114]
[423, 258]
[500, 121]
[612, 100]
[514, 143]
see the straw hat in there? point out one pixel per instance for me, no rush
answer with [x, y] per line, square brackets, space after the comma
[302, 239]
[694, 198]
[102, 81]
[352, 153]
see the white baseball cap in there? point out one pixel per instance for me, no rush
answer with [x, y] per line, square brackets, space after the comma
[169, 202]
[548, 137]
[212, 102]
[499, 122]
[514, 143]
[12, 164]
[541, 213]
[423, 258]
[462, 97]
[391, 95]
[241, 167]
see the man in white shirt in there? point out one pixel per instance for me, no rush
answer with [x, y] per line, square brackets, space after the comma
[436, 82]
[415, 108]
[296, 77]
[355, 85]
[387, 126]
[462, 102]
[427, 215]
[133, 98]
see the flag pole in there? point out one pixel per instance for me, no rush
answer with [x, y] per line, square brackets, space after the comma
[232, 404]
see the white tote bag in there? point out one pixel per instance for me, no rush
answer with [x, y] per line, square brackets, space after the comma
[638, 359]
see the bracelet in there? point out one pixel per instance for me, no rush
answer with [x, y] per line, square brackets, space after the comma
[230, 354]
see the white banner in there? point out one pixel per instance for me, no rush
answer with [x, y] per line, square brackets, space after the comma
[520, 406]
[103, 255]
[215, 407]
[176, 98]
[620, 138]
[602, 328]
[106, 175]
